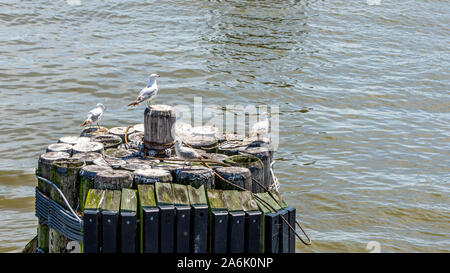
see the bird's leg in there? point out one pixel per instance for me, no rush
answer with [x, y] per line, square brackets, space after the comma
[98, 126]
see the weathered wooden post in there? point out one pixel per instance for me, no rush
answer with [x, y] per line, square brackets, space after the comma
[60, 147]
[236, 221]
[199, 219]
[108, 141]
[73, 139]
[164, 199]
[255, 166]
[88, 157]
[158, 127]
[252, 223]
[64, 174]
[206, 143]
[110, 221]
[92, 221]
[265, 155]
[291, 211]
[237, 175]
[151, 176]
[182, 218]
[218, 216]
[93, 131]
[85, 147]
[87, 175]
[149, 216]
[270, 223]
[128, 214]
[194, 176]
[44, 166]
[113, 180]
[120, 132]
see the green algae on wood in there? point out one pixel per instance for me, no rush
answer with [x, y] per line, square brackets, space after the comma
[129, 200]
[215, 200]
[95, 199]
[232, 200]
[248, 201]
[269, 200]
[197, 196]
[164, 193]
[112, 201]
[147, 196]
[181, 196]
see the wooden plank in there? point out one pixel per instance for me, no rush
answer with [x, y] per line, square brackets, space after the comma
[248, 201]
[164, 194]
[129, 200]
[215, 200]
[232, 200]
[94, 200]
[197, 196]
[147, 196]
[277, 197]
[112, 201]
[181, 196]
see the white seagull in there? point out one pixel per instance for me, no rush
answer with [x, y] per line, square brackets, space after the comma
[147, 93]
[261, 127]
[94, 115]
[185, 153]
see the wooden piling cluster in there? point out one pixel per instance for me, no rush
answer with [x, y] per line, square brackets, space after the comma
[134, 195]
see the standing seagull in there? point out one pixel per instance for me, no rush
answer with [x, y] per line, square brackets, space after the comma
[185, 153]
[94, 115]
[261, 127]
[147, 93]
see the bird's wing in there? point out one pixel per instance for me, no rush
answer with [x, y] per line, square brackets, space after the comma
[260, 127]
[148, 92]
[95, 113]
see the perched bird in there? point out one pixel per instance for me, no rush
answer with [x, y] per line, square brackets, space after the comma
[94, 115]
[185, 153]
[261, 127]
[147, 93]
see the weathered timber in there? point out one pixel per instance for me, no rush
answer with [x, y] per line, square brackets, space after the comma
[31, 246]
[110, 221]
[139, 128]
[87, 175]
[85, 147]
[128, 214]
[158, 127]
[182, 218]
[64, 174]
[231, 147]
[253, 217]
[60, 147]
[151, 176]
[134, 166]
[236, 221]
[118, 153]
[113, 180]
[206, 143]
[194, 176]
[92, 221]
[165, 198]
[270, 224]
[239, 176]
[108, 161]
[136, 138]
[73, 139]
[287, 241]
[265, 155]
[149, 216]
[108, 140]
[92, 131]
[88, 157]
[199, 219]
[120, 132]
[255, 166]
[218, 222]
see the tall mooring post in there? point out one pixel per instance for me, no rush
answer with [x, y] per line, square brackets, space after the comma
[159, 133]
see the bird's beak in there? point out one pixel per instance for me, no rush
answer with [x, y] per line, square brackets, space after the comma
[158, 75]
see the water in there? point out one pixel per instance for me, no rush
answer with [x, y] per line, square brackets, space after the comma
[363, 92]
